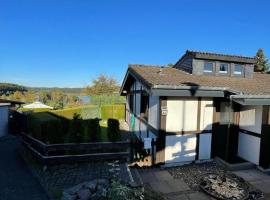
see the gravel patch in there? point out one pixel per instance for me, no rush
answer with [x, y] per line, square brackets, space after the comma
[191, 174]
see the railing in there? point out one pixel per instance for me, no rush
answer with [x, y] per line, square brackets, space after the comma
[56, 153]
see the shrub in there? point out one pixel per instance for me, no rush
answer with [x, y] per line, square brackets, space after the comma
[91, 129]
[76, 129]
[113, 130]
[45, 127]
[112, 111]
[118, 191]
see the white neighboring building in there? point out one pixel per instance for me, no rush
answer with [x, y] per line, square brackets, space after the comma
[37, 104]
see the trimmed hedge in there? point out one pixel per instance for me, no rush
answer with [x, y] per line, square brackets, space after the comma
[113, 111]
[46, 127]
[114, 130]
[52, 129]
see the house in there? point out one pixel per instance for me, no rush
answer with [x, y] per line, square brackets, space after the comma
[207, 105]
[5, 106]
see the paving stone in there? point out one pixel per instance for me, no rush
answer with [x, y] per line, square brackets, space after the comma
[163, 175]
[177, 185]
[178, 197]
[84, 194]
[161, 187]
[198, 196]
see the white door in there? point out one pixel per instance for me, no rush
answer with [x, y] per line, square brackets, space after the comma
[180, 148]
[3, 120]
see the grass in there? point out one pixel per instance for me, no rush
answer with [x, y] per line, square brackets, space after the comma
[44, 116]
[104, 126]
[86, 112]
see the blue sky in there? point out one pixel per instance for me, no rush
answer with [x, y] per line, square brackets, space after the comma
[67, 43]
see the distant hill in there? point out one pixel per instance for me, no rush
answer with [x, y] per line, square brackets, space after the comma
[9, 88]
[64, 90]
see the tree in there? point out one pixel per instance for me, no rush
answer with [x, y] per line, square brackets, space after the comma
[103, 85]
[170, 65]
[262, 64]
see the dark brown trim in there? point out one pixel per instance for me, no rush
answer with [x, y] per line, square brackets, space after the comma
[161, 140]
[163, 103]
[250, 133]
[265, 139]
[198, 128]
[197, 132]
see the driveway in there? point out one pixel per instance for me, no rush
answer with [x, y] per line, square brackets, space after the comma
[16, 181]
[162, 182]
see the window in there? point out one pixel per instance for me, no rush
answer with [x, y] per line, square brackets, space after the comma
[223, 68]
[238, 69]
[144, 106]
[208, 67]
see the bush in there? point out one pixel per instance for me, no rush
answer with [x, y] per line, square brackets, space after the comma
[113, 130]
[112, 111]
[76, 129]
[91, 130]
[119, 191]
[46, 127]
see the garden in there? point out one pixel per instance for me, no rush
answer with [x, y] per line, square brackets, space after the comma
[76, 125]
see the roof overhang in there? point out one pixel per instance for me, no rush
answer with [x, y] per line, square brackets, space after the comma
[187, 91]
[251, 100]
[4, 104]
[128, 80]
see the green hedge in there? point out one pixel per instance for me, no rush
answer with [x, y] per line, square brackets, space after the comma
[114, 130]
[52, 129]
[112, 111]
[46, 127]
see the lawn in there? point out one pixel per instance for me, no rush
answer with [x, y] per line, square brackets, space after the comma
[103, 128]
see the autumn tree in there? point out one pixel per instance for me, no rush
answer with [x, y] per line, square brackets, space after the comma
[103, 85]
[262, 64]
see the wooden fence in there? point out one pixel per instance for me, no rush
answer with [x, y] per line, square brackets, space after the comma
[56, 153]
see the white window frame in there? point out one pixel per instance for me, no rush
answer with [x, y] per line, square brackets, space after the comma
[208, 71]
[237, 72]
[224, 72]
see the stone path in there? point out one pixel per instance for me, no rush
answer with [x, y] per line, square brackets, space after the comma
[256, 178]
[172, 189]
[16, 181]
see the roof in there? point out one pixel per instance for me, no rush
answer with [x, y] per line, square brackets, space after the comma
[37, 104]
[220, 57]
[171, 78]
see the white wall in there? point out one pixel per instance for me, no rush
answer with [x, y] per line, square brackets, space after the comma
[251, 118]
[143, 130]
[153, 116]
[206, 114]
[182, 114]
[180, 148]
[249, 148]
[205, 146]
[3, 120]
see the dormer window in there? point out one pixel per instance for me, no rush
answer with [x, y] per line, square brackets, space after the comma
[223, 68]
[238, 69]
[208, 67]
